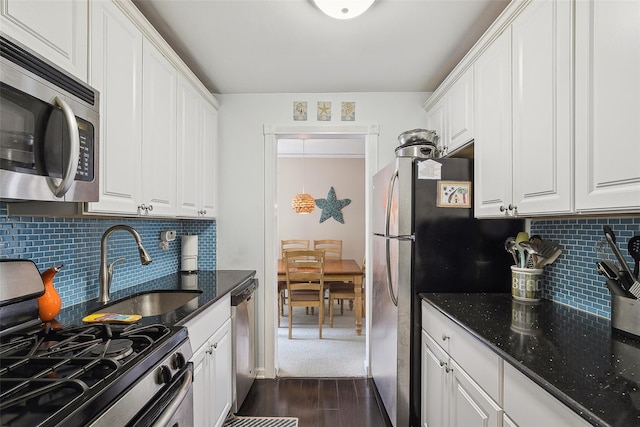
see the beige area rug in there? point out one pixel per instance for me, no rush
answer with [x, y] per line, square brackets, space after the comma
[340, 352]
[261, 422]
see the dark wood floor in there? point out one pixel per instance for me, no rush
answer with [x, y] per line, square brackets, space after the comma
[317, 402]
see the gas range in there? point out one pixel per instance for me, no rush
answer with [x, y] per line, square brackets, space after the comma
[91, 374]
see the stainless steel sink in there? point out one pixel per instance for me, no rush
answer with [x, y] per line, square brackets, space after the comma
[152, 303]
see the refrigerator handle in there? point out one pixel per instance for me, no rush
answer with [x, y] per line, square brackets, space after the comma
[387, 221]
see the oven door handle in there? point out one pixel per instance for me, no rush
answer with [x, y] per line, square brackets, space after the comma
[172, 407]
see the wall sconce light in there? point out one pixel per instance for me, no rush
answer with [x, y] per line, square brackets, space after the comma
[343, 9]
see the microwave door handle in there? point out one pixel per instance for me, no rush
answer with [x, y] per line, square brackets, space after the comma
[61, 189]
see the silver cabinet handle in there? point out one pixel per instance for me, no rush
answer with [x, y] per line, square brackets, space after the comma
[61, 189]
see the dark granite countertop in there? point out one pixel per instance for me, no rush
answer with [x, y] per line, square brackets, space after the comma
[572, 354]
[214, 285]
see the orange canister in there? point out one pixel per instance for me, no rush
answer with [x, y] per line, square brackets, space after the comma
[50, 303]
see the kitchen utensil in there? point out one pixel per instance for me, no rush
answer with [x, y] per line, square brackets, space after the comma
[634, 251]
[615, 288]
[606, 269]
[603, 251]
[522, 236]
[510, 246]
[608, 233]
[553, 254]
[531, 250]
[537, 241]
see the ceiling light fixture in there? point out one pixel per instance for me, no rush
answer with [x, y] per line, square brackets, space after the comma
[343, 9]
[303, 203]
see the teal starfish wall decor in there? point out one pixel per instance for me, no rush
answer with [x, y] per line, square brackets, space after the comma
[332, 207]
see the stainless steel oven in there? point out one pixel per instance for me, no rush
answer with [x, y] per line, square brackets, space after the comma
[49, 124]
[97, 374]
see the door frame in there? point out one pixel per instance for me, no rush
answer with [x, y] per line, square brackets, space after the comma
[370, 133]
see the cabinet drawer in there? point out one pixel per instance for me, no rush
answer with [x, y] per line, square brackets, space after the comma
[482, 364]
[209, 321]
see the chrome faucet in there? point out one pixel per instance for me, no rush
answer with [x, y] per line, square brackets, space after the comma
[106, 271]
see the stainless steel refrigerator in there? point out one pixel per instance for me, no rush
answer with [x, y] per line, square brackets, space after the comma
[425, 239]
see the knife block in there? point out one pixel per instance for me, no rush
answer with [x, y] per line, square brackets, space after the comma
[625, 314]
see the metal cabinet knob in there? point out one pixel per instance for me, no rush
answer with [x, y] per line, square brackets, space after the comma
[445, 337]
[512, 207]
[502, 208]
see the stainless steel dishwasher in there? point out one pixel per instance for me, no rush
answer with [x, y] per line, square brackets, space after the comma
[243, 334]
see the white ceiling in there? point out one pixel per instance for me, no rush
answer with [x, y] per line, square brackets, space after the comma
[289, 46]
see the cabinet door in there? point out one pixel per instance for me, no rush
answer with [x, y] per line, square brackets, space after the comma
[57, 30]
[201, 384]
[209, 181]
[607, 106]
[116, 71]
[469, 405]
[436, 122]
[434, 384]
[220, 398]
[459, 117]
[542, 108]
[189, 145]
[158, 132]
[492, 164]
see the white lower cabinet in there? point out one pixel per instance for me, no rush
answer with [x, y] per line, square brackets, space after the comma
[465, 384]
[460, 379]
[528, 405]
[450, 396]
[212, 367]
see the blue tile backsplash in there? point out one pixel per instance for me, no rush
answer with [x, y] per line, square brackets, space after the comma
[572, 280]
[76, 241]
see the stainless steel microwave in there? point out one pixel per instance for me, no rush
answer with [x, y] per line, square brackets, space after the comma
[49, 127]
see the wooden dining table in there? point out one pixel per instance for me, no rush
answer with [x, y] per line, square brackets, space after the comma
[339, 270]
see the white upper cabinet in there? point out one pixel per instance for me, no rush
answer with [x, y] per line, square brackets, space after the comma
[155, 120]
[57, 30]
[493, 155]
[197, 152]
[542, 108]
[189, 158]
[452, 115]
[523, 111]
[607, 106]
[436, 122]
[460, 112]
[116, 71]
[209, 194]
[159, 91]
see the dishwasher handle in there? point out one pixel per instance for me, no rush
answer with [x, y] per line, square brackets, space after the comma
[244, 294]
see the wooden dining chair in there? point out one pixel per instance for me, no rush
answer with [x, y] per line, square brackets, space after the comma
[305, 283]
[332, 248]
[288, 245]
[341, 291]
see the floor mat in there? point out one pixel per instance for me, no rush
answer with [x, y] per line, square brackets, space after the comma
[261, 422]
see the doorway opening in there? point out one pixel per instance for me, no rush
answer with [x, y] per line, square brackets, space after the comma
[292, 357]
[322, 167]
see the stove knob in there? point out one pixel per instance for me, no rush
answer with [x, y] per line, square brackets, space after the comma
[164, 375]
[179, 361]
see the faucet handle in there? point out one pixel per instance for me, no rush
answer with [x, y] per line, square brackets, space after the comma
[110, 266]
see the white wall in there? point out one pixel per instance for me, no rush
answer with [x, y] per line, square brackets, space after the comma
[346, 176]
[241, 224]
